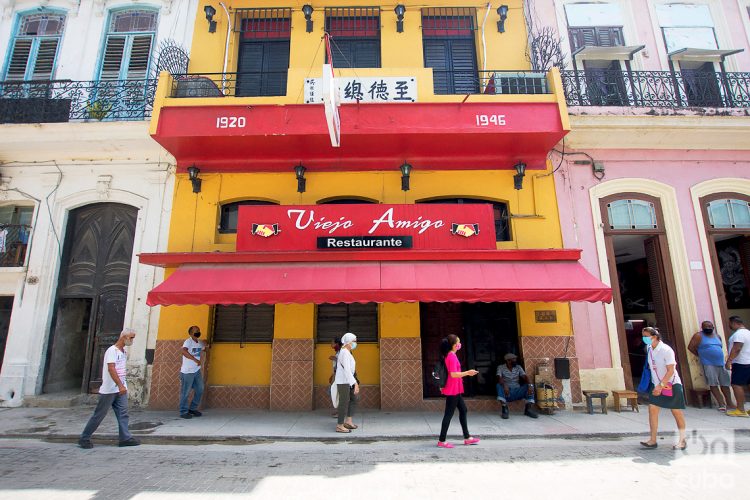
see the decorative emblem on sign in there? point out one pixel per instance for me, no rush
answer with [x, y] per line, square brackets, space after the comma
[265, 230]
[465, 230]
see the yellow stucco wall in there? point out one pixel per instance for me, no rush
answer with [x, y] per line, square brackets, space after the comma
[535, 221]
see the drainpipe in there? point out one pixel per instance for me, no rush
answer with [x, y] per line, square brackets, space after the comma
[484, 44]
[226, 49]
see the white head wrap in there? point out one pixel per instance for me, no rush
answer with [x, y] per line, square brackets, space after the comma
[348, 338]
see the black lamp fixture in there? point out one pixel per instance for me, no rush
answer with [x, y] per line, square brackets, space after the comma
[399, 10]
[405, 175]
[503, 12]
[520, 173]
[210, 13]
[307, 10]
[299, 172]
[196, 181]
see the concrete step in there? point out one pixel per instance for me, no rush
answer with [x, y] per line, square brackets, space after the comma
[65, 399]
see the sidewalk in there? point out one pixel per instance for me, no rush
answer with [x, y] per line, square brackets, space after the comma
[236, 426]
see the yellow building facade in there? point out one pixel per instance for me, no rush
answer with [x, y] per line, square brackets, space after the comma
[458, 163]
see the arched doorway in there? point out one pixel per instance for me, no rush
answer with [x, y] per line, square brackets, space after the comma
[91, 294]
[642, 279]
[727, 222]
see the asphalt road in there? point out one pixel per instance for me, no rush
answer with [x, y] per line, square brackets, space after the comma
[713, 465]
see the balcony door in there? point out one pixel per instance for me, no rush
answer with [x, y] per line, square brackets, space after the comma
[450, 50]
[701, 84]
[35, 47]
[262, 68]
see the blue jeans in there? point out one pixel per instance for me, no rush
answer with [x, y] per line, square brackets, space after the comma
[118, 403]
[516, 393]
[189, 381]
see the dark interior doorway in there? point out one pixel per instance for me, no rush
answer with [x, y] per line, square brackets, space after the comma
[644, 296]
[91, 295]
[732, 261]
[6, 308]
[488, 331]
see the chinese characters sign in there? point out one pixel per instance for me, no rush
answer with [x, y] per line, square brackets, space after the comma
[366, 227]
[365, 89]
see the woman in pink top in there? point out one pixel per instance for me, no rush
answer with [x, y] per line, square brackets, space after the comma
[454, 388]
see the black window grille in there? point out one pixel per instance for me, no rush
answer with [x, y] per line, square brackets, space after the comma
[334, 320]
[243, 323]
[229, 212]
[445, 22]
[355, 36]
[263, 23]
[499, 212]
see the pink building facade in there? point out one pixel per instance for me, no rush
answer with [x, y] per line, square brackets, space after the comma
[654, 179]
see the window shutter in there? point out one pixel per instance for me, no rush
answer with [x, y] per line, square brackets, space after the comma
[259, 323]
[276, 66]
[609, 37]
[334, 320]
[19, 59]
[45, 59]
[243, 323]
[464, 62]
[436, 57]
[228, 323]
[342, 52]
[140, 55]
[363, 321]
[249, 69]
[113, 54]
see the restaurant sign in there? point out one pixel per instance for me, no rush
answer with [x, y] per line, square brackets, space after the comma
[366, 227]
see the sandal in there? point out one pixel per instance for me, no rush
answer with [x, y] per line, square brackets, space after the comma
[682, 446]
[342, 429]
[648, 445]
[722, 408]
[351, 426]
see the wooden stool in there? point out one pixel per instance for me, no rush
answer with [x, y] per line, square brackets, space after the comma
[630, 397]
[701, 397]
[601, 395]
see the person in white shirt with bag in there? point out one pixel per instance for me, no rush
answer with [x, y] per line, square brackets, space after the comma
[665, 390]
[346, 384]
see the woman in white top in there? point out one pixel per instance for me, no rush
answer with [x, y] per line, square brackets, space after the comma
[665, 390]
[347, 384]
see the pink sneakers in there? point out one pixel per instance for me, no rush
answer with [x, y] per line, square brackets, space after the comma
[445, 444]
[471, 441]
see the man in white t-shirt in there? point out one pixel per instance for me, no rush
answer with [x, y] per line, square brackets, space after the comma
[190, 373]
[112, 393]
[738, 360]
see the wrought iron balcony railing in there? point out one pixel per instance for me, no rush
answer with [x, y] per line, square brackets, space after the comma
[14, 239]
[273, 83]
[52, 101]
[656, 89]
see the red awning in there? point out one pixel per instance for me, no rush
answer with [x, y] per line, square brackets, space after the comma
[380, 281]
[470, 135]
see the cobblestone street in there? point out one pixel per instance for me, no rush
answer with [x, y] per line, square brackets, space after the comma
[714, 464]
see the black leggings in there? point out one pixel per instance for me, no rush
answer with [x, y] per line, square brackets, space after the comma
[451, 402]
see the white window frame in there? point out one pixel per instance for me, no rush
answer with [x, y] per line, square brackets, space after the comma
[629, 31]
[129, 36]
[36, 41]
[721, 29]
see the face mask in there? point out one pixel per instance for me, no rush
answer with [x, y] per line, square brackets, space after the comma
[708, 331]
[647, 340]
[354, 345]
[128, 342]
[458, 346]
[197, 334]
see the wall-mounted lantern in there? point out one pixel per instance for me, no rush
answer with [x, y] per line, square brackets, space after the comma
[503, 13]
[210, 13]
[399, 10]
[307, 10]
[299, 172]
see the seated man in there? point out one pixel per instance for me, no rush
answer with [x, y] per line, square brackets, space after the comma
[513, 385]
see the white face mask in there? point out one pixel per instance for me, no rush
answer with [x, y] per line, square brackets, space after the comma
[128, 341]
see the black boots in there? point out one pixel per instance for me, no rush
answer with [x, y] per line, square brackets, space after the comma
[530, 411]
[504, 413]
